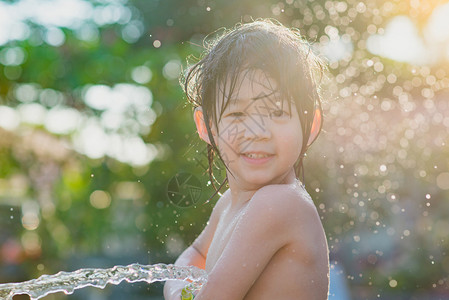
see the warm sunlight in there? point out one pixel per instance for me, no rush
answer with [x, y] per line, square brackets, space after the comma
[403, 42]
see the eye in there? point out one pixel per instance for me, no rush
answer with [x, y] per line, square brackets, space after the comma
[279, 113]
[237, 114]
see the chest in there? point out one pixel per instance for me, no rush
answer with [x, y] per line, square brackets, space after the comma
[223, 233]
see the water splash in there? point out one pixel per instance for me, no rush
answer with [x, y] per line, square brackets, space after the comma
[68, 282]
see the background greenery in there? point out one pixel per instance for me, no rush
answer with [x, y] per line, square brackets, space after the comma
[378, 173]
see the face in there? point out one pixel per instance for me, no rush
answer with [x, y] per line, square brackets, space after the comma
[259, 134]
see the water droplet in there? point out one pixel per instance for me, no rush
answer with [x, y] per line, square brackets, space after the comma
[393, 283]
[157, 44]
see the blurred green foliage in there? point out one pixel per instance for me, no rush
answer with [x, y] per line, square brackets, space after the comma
[373, 173]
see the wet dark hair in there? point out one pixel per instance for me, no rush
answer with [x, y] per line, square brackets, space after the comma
[266, 45]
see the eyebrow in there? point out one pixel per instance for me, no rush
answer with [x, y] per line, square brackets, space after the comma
[263, 95]
[258, 97]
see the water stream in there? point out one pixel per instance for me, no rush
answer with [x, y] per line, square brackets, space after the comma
[68, 282]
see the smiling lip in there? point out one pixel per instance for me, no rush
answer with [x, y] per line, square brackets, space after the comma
[257, 157]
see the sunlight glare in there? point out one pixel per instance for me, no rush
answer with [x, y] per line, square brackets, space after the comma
[337, 49]
[32, 113]
[400, 42]
[9, 118]
[91, 140]
[62, 120]
[437, 21]
[72, 14]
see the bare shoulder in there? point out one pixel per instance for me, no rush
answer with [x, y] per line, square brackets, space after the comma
[290, 210]
[218, 209]
[203, 241]
[224, 200]
[284, 200]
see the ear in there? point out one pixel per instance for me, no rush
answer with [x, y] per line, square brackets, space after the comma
[200, 125]
[316, 126]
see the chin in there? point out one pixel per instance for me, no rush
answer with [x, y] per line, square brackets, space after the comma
[259, 181]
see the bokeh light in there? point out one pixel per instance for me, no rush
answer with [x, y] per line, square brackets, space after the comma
[93, 125]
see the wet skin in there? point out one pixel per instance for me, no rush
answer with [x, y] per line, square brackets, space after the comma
[264, 239]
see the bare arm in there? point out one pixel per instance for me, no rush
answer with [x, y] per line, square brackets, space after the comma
[268, 225]
[190, 257]
[195, 255]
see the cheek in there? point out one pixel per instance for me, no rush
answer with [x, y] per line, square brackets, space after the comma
[230, 133]
[298, 135]
[291, 141]
[227, 142]
[294, 145]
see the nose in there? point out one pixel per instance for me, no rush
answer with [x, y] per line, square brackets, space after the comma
[257, 129]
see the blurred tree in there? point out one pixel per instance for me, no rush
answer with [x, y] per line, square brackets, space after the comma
[94, 125]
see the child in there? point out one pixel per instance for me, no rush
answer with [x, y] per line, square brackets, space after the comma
[258, 109]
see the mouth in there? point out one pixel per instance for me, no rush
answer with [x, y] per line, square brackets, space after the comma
[257, 155]
[257, 158]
